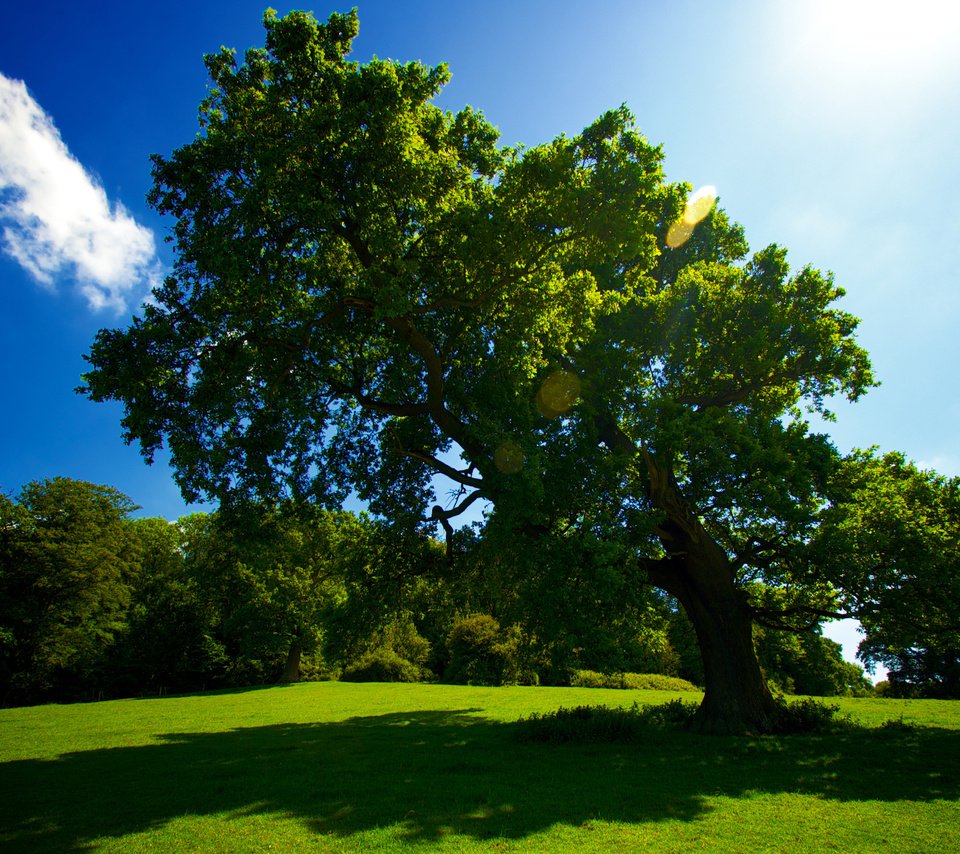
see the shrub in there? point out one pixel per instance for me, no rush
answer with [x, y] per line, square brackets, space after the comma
[630, 681]
[590, 724]
[584, 724]
[402, 637]
[897, 725]
[383, 665]
[480, 653]
[591, 679]
[807, 716]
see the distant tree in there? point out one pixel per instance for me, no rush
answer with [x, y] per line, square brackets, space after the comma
[683, 641]
[891, 541]
[919, 671]
[271, 575]
[395, 594]
[808, 663]
[168, 643]
[579, 601]
[481, 653]
[68, 559]
[364, 283]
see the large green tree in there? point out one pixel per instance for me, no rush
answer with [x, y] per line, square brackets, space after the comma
[271, 578]
[68, 559]
[169, 642]
[891, 539]
[365, 285]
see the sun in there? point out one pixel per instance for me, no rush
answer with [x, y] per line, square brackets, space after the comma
[871, 31]
[852, 41]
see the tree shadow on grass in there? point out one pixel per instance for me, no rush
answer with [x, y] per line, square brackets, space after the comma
[434, 773]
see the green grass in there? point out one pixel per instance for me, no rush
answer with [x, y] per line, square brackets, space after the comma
[373, 767]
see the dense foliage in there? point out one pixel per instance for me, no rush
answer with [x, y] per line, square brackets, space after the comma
[366, 287]
[68, 561]
[94, 603]
[891, 538]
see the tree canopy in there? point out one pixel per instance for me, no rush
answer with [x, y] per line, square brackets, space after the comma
[891, 541]
[366, 286]
[66, 561]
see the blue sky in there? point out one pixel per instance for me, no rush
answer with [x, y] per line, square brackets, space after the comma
[829, 127]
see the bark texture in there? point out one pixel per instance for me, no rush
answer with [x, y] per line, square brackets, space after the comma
[699, 574]
[291, 670]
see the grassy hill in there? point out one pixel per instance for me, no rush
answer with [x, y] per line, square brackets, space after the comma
[384, 767]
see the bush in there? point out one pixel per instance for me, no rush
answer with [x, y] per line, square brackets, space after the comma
[590, 724]
[591, 679]
[402, 637]
[480, 654]
[898, 725]
[383, 665]
[630, 681]
[807, 716]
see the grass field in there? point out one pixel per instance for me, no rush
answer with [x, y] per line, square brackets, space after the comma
[370, 767]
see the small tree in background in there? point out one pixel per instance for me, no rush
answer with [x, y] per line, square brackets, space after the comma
[891, 540]
[481, 653]
[68, 559]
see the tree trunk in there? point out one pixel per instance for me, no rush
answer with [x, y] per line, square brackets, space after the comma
[736, 697]
[291, 670]
[698, 572]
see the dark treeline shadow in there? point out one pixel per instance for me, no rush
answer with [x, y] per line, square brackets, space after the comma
[436, 773]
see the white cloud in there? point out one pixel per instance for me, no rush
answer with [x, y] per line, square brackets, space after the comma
[56, 217]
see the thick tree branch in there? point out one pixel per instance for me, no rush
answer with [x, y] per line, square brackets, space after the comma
[438, 514]
[612, 435]
[774, 618]
[758, 553]
[400, 410]
[665, 494]
[444, 469]
[350, 232]
[450, 425]
[406, 330]
[444, 516]
[659, 571]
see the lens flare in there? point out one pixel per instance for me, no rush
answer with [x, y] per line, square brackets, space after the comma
[699, 205]
[678, 234]
[508, 457]
[558, 393]
[697, 209]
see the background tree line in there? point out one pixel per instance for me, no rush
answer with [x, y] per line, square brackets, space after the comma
[95, 603]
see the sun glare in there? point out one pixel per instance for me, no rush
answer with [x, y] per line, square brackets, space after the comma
[508, 457]
[699, 205]
[558, 393]
[857, 39]
[881, 29]
[697, 209]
